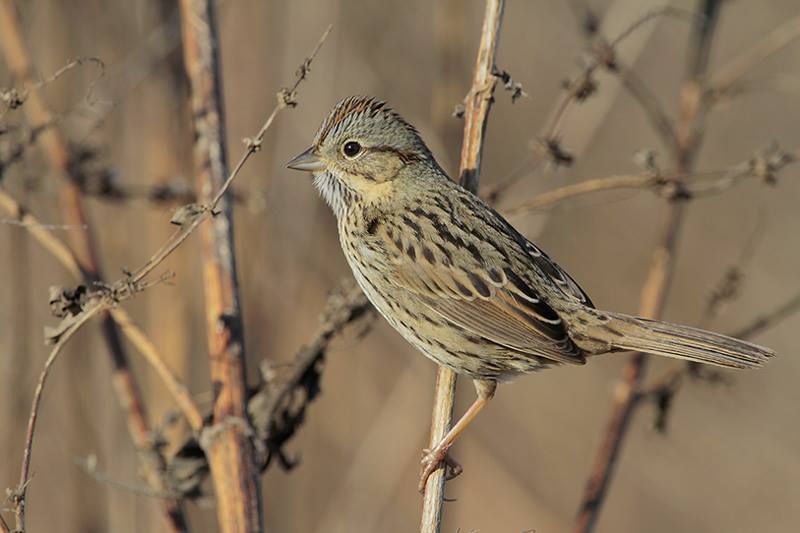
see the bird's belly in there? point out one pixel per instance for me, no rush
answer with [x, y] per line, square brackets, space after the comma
[444, 343]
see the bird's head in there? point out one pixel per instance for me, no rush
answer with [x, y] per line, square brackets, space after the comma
[360, 147]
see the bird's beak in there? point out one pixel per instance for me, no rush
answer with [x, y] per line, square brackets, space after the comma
[308, 161]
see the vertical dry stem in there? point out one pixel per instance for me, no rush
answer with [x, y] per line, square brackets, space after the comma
[479, 100]
[689, 131]
[227, 441]
[56, 150]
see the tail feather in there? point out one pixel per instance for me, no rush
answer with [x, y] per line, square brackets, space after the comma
[682, 342]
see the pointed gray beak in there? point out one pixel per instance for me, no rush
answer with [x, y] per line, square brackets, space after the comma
[308, 161]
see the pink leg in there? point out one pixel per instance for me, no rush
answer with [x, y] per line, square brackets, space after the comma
[438, 455]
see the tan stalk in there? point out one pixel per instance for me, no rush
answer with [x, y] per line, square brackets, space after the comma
[477, 105]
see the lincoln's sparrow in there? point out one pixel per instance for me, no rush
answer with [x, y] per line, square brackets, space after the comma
[456, 279]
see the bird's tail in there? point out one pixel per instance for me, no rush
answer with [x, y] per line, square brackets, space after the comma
[624, 332]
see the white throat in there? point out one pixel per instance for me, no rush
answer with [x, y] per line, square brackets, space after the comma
[336, 194]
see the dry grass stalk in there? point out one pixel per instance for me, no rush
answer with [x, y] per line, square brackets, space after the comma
[477, 105]
[689, 131]
[108, 296]
[132, 331]
[226, 442]
[57, 152]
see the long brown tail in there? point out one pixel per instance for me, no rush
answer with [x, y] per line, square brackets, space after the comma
[626, 332]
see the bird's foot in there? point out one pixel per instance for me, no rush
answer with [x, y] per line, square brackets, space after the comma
[433, 459]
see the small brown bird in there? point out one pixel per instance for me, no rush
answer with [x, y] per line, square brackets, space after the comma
[456, 279]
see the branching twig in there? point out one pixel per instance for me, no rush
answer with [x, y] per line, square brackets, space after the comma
[477, 106]
[764, 322]
[132, 331]
[725, 79]
[128, 285]
[89, 465]
[226, 441]
[602, 54]
[58, 155]
[764, 164]
[663, 391]
[277, 408]
[689, 133]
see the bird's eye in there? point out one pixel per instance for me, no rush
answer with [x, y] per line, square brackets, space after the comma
[351, 148]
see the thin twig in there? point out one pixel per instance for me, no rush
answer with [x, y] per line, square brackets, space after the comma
[727, 76]
[609, 183]
[689, 133]
[191, 216]
[476, 112]
[659, 120]
[18, 496]
[764, 164]
[59, 157]
[602, 53]
[278, 406]
[227, 440]
[286, 98]
[764, 322]
[126, 324]
[89, 465]
[180, 393]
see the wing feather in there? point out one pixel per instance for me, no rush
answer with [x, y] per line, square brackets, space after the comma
[493, 301]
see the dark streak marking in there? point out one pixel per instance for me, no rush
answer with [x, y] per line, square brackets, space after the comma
[479, 284]
[463, 289]
[428, 255]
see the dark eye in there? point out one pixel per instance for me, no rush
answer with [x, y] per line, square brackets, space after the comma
[351, 148]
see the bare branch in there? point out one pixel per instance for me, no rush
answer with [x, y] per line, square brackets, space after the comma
[689, 133]
[226, 440]
[278, 406]
[134, 334]
[764, 164]
[725, 79]
[602, 53]
[476, 112]
[764, 322]
[58, 155]
[125, 287]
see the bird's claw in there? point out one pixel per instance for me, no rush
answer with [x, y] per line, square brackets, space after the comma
[432, 460]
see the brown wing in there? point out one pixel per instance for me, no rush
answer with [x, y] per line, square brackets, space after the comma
[467, 280]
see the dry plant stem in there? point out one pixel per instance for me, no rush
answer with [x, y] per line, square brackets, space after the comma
[653, 296]
[123, 320]
[728, 75]
[57, 153]
[584, 187]
[4, 525]
[285, 99]
[180, 393]
[572, 96]
[691, 184]
[226, 443]
[770, 319]
[476, 112]
[671, 380]
[19, 495]
[659, 119]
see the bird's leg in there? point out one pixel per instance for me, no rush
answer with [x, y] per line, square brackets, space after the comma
[435, 457]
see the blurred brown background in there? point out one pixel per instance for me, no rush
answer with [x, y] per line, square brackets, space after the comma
[731, 458]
